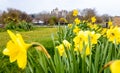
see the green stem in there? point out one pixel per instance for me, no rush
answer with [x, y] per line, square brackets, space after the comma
[41, 48]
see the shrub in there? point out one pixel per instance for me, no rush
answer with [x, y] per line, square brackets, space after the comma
[63, 21]
[19, 26]
[51, 22]
[13, 14]
[11, 25]
[24, 25]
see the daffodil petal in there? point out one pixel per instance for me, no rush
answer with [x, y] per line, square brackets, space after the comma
[13, 58]
[20, 38]
[12, 47]
[12, 36]
[88, 51]
[13, 51]
[21, 43]
[6, 51]
[22, 59]
[115, 67]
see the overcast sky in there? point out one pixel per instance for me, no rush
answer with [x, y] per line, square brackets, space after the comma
[111, 7]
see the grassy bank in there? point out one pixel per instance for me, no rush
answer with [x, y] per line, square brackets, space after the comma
[39, 34]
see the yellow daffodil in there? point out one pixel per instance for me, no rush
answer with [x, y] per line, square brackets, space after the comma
[99, 30]
[61, 49]
[110, 23]
[103, 32]
[94, 37]
[115, 66]
[75, 12]
[66, 44]
[79, 48]
[93, 19]
[84, 21]
[95, 26]
[77, 21]
[76, 29]
[90, 25]
[79, 40]
[17, 49]
[82, 37]
[87, 52]
[70, 25]
[113, 34]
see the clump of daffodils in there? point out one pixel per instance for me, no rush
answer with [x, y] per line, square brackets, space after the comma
[61, 47]
[78, 51]
[113, 34]
[83, 38]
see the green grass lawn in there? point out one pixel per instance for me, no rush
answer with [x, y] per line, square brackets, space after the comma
[39, 34]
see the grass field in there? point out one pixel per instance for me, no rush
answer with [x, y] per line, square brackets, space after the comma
[39, 34]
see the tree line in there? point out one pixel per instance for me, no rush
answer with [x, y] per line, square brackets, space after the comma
[50, 18]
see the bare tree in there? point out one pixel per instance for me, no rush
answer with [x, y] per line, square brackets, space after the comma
[88, 13]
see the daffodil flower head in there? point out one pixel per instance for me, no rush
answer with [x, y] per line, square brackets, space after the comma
[76, 29]
[104, 31]
[90, 25]
[70, 25]
[95, 26]
[17, 49]
[93, 19]
[77, 21]
[113, 34]
[94, 37]
[61, 49]
[66, 44]
[75, 12]
[115, 67]
[82, 37]
[110, 23]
